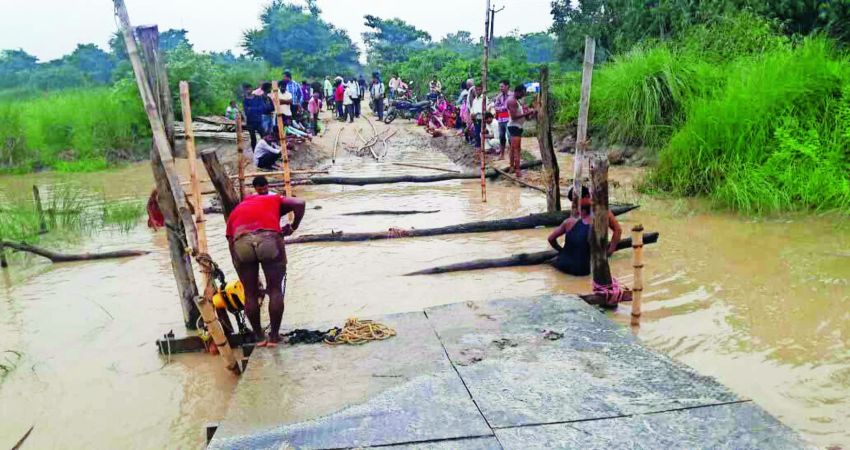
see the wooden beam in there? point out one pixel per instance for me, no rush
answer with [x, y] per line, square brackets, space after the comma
[551, 173]
[583, 111]
[223, 186]
[482, 151]
[599, 233]
[240, 156]
[281, 131]
[637, 264]
[42, 223]
[181, 263]
[158, 79]
[66, 257]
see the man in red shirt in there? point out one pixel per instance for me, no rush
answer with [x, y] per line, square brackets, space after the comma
[255, 238]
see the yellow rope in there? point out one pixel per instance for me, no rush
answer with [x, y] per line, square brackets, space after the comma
[356, 332]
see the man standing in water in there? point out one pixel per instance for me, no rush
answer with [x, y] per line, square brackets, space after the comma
[255, 238]
[518, 115]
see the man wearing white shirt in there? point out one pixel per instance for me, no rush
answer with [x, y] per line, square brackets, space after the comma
[266, 153]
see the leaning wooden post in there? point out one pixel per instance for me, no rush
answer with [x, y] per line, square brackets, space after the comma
[281, 133]
[181, 263]
[583, 110]
[160, 139]
[221, 181]
[207, 265]
[637, 264]
[483, 153]
[42, 223]
[240, 156]
[3, 262]
[551, 174]
[599, 235]
[158, 79]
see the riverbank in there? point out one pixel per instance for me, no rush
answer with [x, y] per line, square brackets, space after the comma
[755, 303]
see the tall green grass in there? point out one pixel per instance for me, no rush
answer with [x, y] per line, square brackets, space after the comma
[70, 130]
[774, 138]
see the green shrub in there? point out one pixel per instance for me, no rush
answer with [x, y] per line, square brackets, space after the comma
[773, 138]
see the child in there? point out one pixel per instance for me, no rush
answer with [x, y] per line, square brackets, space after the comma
[313, 107]
[232, 111]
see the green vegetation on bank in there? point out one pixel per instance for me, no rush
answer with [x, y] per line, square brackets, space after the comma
[734, 111]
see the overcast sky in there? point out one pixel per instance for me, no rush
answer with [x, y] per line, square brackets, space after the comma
[49, 29]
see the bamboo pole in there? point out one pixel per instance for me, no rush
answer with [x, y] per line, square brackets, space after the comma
[281, 132]
[205, 304]
[422, 166]
[637, 264]
[583, 110]
[42, 223]
[240, 156]
[336, 142]
[487, 15]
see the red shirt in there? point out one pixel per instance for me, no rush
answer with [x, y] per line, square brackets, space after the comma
[255, 212]
[339, 94]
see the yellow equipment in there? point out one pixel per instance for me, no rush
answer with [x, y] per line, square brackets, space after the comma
[232, 297]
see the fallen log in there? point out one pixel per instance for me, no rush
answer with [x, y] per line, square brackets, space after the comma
[62, 257]
[422, 166]
[363, 181]
[381, 212]
[521, 259]
[517, 223]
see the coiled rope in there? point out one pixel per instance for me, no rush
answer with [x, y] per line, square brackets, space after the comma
[357, 332]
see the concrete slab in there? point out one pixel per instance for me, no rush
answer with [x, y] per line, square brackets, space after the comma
[556, 359]
[482, 443]
[402, 390]
[736, 426]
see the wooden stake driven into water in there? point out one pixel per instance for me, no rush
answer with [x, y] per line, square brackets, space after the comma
[487, 16]
[181, 263]
[551, 173]
[205, 303]
[583, 110]
[42, 223]
[637, 264]
[163, 147]
[240, 156]
[281, 133]
[599, 233]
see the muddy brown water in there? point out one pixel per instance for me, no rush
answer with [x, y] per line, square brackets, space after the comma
[761, 304]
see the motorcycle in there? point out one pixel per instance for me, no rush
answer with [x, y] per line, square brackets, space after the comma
[406, 109]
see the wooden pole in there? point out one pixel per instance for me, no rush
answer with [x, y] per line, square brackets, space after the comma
[583, 110]
[158, 79]
[157, 126]
[219, 178]
[181, 263]
[599, 233]
[637, 264]
[551, 173]
[205, 303]
[487, 15]
[240, 156]
[3, 262]
[163, 148]
[42, 223]
[281, 133]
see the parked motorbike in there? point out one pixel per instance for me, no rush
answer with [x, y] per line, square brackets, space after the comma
[406, 109]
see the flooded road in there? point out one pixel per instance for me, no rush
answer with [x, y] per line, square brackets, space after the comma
[760, 304]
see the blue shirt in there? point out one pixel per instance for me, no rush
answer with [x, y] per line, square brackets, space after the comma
[294, 89]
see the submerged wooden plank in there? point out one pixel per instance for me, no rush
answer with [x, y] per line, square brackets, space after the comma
[402, 390]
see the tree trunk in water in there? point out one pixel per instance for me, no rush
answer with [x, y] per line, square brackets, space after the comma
[551, 173]
[484, 226]
[362, 181]
[583, 111]
[223, 185]
[599, 233]
[65, 257]
[520, 259]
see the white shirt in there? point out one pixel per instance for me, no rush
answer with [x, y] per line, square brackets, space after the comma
[377, 90]
[285, 109]
[394, 83]
[264, 148]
